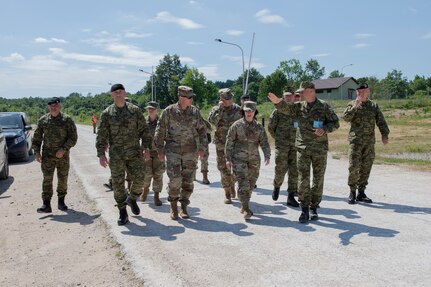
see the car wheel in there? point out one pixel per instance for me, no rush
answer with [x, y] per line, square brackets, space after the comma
[4, 173]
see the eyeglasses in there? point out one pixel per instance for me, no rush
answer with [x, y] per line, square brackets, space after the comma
[53, 104]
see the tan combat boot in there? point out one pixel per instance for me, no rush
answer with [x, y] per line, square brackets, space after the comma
[205, 177]
[157, 200]
[145, 194]
[232, 191]
[227, 192]
[183, 213]
[246, 211]
[174, 210]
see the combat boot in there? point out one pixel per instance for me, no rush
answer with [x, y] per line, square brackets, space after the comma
[232, 191]
[174, 210]
[352, 197]
[275, 193]
[305, 215]
[246, 211]
[45, 208]
[183, 213]
[205, 177]
[61, 205]
[157, 201]
[291, 201]
[227, 192]
[133, 205]
[145, 194]
[363, 197]
[313, 214]
[124, 217]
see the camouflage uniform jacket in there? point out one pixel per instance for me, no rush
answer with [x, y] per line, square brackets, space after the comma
[122, 129]
[282, 129]
[222, 118]
[307, 116]
[152, 125]
[363, 120]
[243, 141]
[177, 128]
[56, 133]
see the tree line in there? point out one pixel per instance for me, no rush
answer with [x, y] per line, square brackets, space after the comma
[170, 73]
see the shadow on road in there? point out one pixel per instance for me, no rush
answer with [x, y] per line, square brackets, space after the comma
[153, 229]
[210, 225]
[73, 216]
[399, 208]
[5, 184]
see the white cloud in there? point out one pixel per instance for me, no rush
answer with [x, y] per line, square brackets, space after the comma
[184, 23]
[41, 40]
[427, 36]
[193, 2]
[363, 35]
[320, 55]
[234, 32]
[360, 45]
[254, 62]
[136, 35]
[296, 49]
[13, 58]
[86, 30]
[210, 71]
[266, 17]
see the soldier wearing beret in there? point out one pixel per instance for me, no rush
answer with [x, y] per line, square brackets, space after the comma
[122, 127]
[175, 139]
[242, 153]
[283, 129]
[222, 117]
[315, 120]
[363, 116]
[54, 136]
[154, 168]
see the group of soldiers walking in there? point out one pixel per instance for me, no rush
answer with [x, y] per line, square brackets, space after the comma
[144, 148]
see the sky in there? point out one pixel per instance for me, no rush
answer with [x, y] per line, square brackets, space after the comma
[54, 48]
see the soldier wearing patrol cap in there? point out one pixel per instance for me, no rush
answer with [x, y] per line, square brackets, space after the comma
[363, 116]
[154, 168]
[315, 120]
[54, 136]
[222, 117]
[175, 139]
[242, 153]
[283, 129]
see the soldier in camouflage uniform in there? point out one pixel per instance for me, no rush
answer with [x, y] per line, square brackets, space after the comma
[55, 135]
[363, 115]
[283, 129]
[175, 138]
[122, 126]
[204, 160]
[222, 117]
[315, 120]
[242, 153]
[154, 168]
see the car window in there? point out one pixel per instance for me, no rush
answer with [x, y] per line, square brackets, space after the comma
[11, 122]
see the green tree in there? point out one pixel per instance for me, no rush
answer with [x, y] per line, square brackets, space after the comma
[293, 71]
[418, 84]
[206, 91]
[395, 85]
[335, 74]
[254, 79]
[313, 71]
[275, 83]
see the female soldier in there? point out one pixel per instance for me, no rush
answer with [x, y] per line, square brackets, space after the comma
[242, 153]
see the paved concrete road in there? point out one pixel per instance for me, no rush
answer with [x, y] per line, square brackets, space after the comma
[381, 244]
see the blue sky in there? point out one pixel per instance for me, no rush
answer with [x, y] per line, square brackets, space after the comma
[53, 48]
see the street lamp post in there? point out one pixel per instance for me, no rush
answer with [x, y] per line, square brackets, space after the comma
[242, 54]
[341, 86]
[153, 98]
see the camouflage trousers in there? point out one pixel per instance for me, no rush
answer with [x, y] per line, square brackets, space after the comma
[204, 161]
[285, 162]
[154, 169]
[135, 168]
[181, 169]
[227, 179]
[311, 197]
[48, 165]
[361, 158]
[246, 173]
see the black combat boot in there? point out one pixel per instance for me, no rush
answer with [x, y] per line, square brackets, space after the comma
[275, 193]
[61, 205]
[205, 177]
[305, 215]
[352, 197]
[45, 208]
[124, 217]
[313, 214]
[363, 197]
[133, 205]
[157, 201]
[291, 201]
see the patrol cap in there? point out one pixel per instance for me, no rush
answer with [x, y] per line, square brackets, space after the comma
[306, 85]
[184, 91]
[54, 100]
[225, 93]
[246, 96]
[288, 91]
[249, 106]
[116, 87]
[362, 86]
[152, 105]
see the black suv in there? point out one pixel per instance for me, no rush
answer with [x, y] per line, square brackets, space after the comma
[18, 135]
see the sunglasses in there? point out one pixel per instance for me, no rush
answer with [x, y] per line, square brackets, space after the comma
[186, 97]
